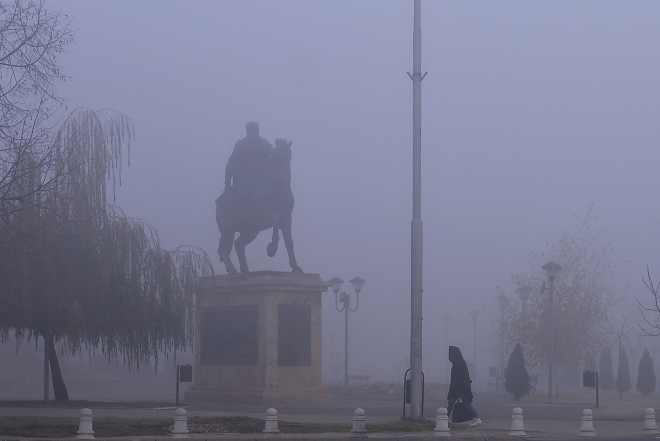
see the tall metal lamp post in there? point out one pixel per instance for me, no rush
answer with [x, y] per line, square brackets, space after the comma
[503, 302]
[345, 299]
[551, 269]
[416, 227]
[474, 314]
[447, 319]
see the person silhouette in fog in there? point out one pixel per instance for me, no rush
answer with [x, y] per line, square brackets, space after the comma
[459, 387]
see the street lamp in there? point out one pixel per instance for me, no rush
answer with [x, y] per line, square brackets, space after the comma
[524, 292]
[447, 318]
[503, 302]
[474, 314]
[345, 299]
[551, 269]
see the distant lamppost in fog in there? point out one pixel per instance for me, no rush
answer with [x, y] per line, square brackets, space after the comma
[447, 318]
[524, 292]
[474, 314]
[503, 302]
[345, 299]
[551, 269]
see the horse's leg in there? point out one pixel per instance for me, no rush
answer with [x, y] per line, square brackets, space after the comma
[224, 249]
[288, 242]
[243, 240]
[271, 248]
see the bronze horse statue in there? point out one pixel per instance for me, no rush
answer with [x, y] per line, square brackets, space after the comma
[269, 205]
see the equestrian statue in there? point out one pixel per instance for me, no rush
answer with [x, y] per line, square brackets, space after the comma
[257, 196]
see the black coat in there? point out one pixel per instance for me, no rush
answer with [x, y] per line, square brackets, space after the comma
[460, 377]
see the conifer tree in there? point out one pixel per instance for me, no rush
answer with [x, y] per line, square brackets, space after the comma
[606, 372]
[623, 376]
[646, 375]
[517, 377]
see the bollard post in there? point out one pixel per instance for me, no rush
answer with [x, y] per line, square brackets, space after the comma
[650, 427]
[85, 427]
[441, 423]
[180, 429]
[359, 429]
[517, 427]
[271, 421]
[587, 426]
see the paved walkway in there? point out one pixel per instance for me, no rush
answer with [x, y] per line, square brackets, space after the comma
[542, 421]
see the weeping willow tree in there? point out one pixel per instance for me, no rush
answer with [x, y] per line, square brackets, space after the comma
[88, 275]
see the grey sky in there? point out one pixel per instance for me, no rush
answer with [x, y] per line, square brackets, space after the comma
[532, 111]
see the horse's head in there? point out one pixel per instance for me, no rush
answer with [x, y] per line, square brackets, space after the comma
[281, 144]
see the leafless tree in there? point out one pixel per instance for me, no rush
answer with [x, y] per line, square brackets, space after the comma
[621, 337]
[586, 292]
[31, 39]
[650, 314]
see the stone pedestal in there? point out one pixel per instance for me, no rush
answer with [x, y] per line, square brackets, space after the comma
[258, 339]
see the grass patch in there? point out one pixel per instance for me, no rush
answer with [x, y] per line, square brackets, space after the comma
[52, 427]
[81, 404]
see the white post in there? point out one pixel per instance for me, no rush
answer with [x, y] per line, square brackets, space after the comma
[85, 427]
[587, 426]
[180, 429]
[271, 421]
[517, 427]
[359, 429]
[650, 427]
[441, 423]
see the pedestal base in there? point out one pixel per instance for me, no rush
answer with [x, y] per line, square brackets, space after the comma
[258, 339]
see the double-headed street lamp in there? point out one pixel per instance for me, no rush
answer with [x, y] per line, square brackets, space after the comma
[503, 302]
[345, 299]
[474, 314]
[551, 269]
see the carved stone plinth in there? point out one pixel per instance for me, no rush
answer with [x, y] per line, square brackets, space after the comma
[258, 339]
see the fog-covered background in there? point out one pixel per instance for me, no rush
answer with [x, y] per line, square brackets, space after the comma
[532, 112]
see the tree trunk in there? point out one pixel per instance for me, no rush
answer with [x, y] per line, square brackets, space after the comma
[59, 388]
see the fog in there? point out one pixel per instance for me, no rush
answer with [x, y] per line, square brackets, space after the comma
[531, 113]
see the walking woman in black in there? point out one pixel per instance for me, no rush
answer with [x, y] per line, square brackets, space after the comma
[459, 387]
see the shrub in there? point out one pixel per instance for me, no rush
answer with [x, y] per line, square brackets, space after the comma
[646, 376]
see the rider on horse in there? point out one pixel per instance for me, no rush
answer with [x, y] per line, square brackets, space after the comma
[247, 167]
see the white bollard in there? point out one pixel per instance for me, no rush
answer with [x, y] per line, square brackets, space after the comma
[180, 429]
[587, 426]
[359, 429]
[441, 423]
[271, 421]
[517, 427]
[85, 427]
[650, 427]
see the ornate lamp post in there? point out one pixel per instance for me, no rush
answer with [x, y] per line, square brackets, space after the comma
[345, 299]
[447, 318]
[474, 314]
[503, 301]
[551, 269]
